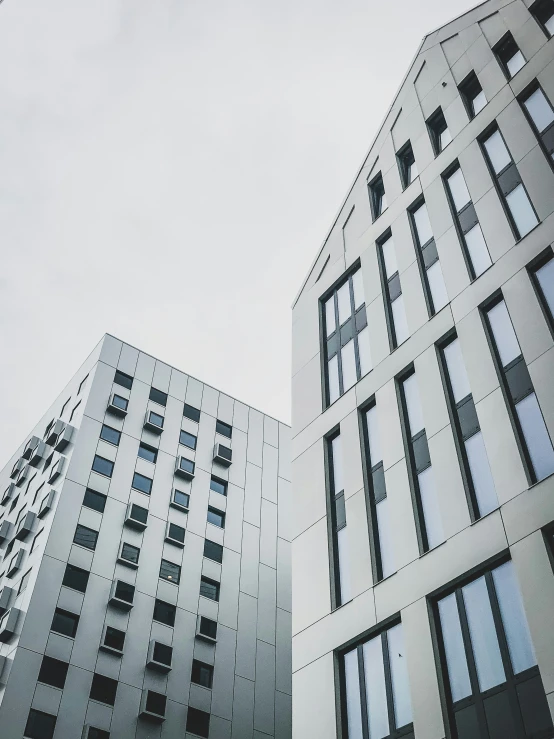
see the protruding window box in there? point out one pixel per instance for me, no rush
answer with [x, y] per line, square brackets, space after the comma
[9, 623]
[57, 469]
[223, 455]
[136, 517]
[175, 534]
[160, 656]
[154, 422]
[5, 531]
[8, 493]
[47, 504]
[18, 466]
[64, 439]
[5, 597]
[118, 405]
[129, 555]
[122, 595]
[206, 630]
[180, 500]
[26, 526]
[38, 454]
[184, 468]
[23, 475]
[15, 563]
[90, 732]
[152, 706]
[30, 446]
[112, 640]
[53, 433]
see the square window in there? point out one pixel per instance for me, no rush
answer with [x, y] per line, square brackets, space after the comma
[85, 537]
[23, 582]
[94, 500]
[170, 572]
[124, 591]
[155, 703]
[177, 533]
[187, 439]
[209, 588]
[94, 733]
[138, 513]
[114, 638]
[122, 379]
[208, 627]
[543, 11]
[65, 622]
[377, 197]
[509, 56]
[75, 578]
[111, 435]
[129, 553]
[472, 95]
[181, 499]
[213, 551]
[53, 672]
[198, 722]
[155, 419]
[164, 612]
[40, 725]
[120, 402]
[162, 653]
[190, 412]
[202, 673]
[186, 465]
[218, 486]
[158, 396]
[148, 452]
[223, 428]
[142, 483]
[103, 689]
[215, 517]
[103, 466]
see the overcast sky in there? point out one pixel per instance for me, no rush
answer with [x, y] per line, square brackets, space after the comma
[168, 170]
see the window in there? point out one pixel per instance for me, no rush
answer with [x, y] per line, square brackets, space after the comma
[190, 412]
[40, 725]
[75, 578]
[407, 165]
[114, 638]
[155, 703]
[338, 538]
[207, 627]
[176, 533]
[218, 486]
[467, 225]
[523, 406]
[119, 402]
[223, 428]
[209, 588]
[198, 722]
[74, 411]
[148, 452]
[377, 197]
[509, 185]
[138, 513]
[428, 259]
[155, 419]
[129, 553]
[110, 435]
[94, 500]
[37, 493]
[347, 350]
[85, 537]
[202, 674]
[142, 483]
[65, 622]
[187, 439]
[164, 612]
[420, 471]
[474, 463]
[215, 517]
[124, 591]
[543, 277]
[170, 571]
[162, 653]
[472, 95]
[509, 56]
[376, 688]
[540, 114]
[438, 131]
[488, 660]
[102, 466]
[97, 733]
[23, 582]
[213, 551]
[392, 292]
[53, 672]
[158, 396]
[181, 499]
[103, 689]
[186, 465]
[543, 10]
[122, 379]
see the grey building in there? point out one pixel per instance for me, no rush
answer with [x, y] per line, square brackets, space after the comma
[145, 577]
[423, 407]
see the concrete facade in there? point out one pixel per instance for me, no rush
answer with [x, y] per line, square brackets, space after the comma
[250, 693]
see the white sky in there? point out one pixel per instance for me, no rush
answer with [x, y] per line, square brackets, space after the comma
[168, 170]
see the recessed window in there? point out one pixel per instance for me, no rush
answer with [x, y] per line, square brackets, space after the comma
[103, 689]
[187, 439]
[129, 553]
[509, 56]
[111, 435]
[543, 11]
[215, 517]
[120, 378]
[120, 402]
[407, 165]
[209, 588]
[186, 465]
[223, 428]
[85, 537]
[428, 259]
[94, 500]
[148, 452]
[170, 572]
[124, 591]
[114, 638]
[41, 725]
[377, 196]
[142, 483]
[207, 627]
[158, 396]
[181, 499]
[340, 575]
[438, 131]
[176, 533]
[164, 612]
[190, 412]
[218, 485]
[213, 551]
[53, 672]
[198, 722]
[202, 673]
[74, 411]
[472, 94]
[540, 113]
[65, 622]
[75, 578]
[397, 323]
[155, 703]
[543, 274]
[103, 466]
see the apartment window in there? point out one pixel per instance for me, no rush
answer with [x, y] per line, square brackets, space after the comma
[65, 622]
[129, 553]
[472, 95]
[170, 571]
[120, 402]
[407, 165]
[543, 11]
[176, 533]
[103, 466]
[376, 691]
[53, 672]
[428, 259]
[191, 412]
[181, 499]
[142, 483]
[164, 612]
[114, 638]
[75, 578]
[103, 689]
[187, 439]
[150, 453]
[155, 419]
[438, 131]
[37, 493]
[158, 396]
[94, 733]
[215, 517]
[40, 725]
[120, 378]
[202, 673]
[420, 471]
[209, 588]
[74, 411]
[543, 276]
[213, 551]
[112, 436]
[347, 350]
[493, 685]
[155, 703]
[198, 722]
[218, 485]
[341, 591]
[85, 537]
[474, 247]
[207, 627]
[532, 434]
[509, 56]
[186, 465]
[392, 292]
[223, 428]
[377, 196]
[470, 445]
[124, 591]
[509, 184]
[540, 114]
[94, 500]
[23, 582]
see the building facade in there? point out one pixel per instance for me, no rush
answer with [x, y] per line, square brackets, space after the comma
[423, 407]
[145, 578]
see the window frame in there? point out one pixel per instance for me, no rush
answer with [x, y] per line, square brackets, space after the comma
[110, 428]
[149, 448]
[377, 195]
[385, 289]
[471, 81]
[533, 87]
[535, 9]
[104, 459]
[92, 493]
[128, 380]
[332, 530]
[402, 155]
[436, 126]
[541, 260]
[79, 528]
[168, 578]
[499, 52]
[192, 436]
[192, 413]
[420, 257]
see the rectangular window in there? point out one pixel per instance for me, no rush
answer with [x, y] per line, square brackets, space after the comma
[543, 11]
[493, 686]
[469, 231]
[142, 483]
[341, 591]
[85, 537]
[122, 379]
[438, 131]
[65, 622]
[112, 436]
[474, 463]
[213, 551]
[75, 578]
[155, 419]
[103, 689]
[509, 56]
[114, 639]
[23, 582]
[395, 312]
[158, 396]
[207, 627]
[376, 689]
[190, 412]
[187, 439]
[94, 733]
[202, 673]
[540, 114]
[223, 428]
[94, 500]
[523, 406]
[170, 572]
[129, 553]
[218, 486]
[150, 453]
[509, 184]
[428, 259]
[542, 274]
[82, 384]
[181, 499]
[472, 95]
[215, 517]
[120, 402]
[377, 196]
[209, 588]
[103, 466]
[40, 725]
[36, 541]
[124, 591]
[164, 612]
[406, 165]
[53, 672]
[176, 533]
[198, 722]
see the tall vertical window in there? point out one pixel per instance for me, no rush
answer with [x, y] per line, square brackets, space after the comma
[407, 165]
[540, 114]
[472, 94]
[338, 539]
[509, 184]
[375, 689]
[347, 352]
[493, 684]
[469, 439]
[428, 259]
[543, 11]
[542, 273]
[392, 293]
[381, 541]
[426, 506]
[438, 131]
[509, 56]
[377, 197]
[469, 231]
[523, 405]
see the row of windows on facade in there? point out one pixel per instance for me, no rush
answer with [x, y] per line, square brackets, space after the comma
[528, 424]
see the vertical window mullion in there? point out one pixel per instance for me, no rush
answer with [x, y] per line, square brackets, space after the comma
[388, 683]
[363, 694]
[472, 667]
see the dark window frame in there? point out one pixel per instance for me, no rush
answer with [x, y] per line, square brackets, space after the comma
[169, 607]
[217, 512]
[53, 672]
[116, 432]
[537, 11]
[549, 131]
[331, 498]
[211, 583]
[436, 126]
[223, 428]
[140, 490]
[469, 89]
[123, 379]
[202, 674]
[103, 686]
[158, 396]
[69, 568]
[539, 261]
[386, 283]
[198, 721]
[420, 257]
[219, 481]
[216, 553]
[405, 158]
[184, 443]
[90, 493]
[174, 568]
[148, 448]
[377, 194]
[67, 615]
[29, 725]
[501, 51]
[85, 530]
[104, 459]
[192, 413]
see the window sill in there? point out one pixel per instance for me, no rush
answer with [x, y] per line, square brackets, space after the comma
[424, 554]
[334, 610]
[482, 518]
[518, 241]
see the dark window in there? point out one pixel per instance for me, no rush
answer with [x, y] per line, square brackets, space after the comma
[438, 131]
[110, 435]
[540, 114]
[130, 553]
[94, 500]
[65, 622]
[85, 537]
[82, 384]
[74, 411]
[395, 311]
[148, 452]
[407, 165]
[198, 722]
[208, 627]
[509, 56]
[213, 551]
[103, 689]
[156, 419]
[340, 588]
[218, 486]
[124, 591]
[53, 672]
[176, 532]
[377, 197]
[158, 396]
[202, 673]
[41, 725]
[543, 10]
[472, 94]
[217, 518]
[138, 513]
[209, 588]
[142, 483]
[97, 733]
[187, 439]
[223, 428]
[122, 379]
[224, 451]
[170, 571]
[75, 578]
[23, 582]
[102, 466]
[190, 412]
[428, 259]
[155, 703]
[164, 612]
[181, 498]
[187, 465]
[542, 273]
[162, 653]
[114, 638]
[35, 539]
[120, 402]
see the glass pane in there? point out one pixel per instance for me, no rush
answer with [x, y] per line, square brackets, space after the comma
[478, 251]
[536, 436]
[373, 434]
[333, 374]
[479, 102]
[345, 309]
[385, 539]
[545, 276]
[378, 718]
[412, 172]
[348, 366]
[515, 63]
[344, 565]
[401, 329]
[413, 405]
[520, 645]
[437, 286]
[539, 109]
[497, 151]
[457, 370]
[445, 138]
[521, 210]
[458, 673]
[389, 257]
[549, 25]
[504, 334]
[330, 323]
[483, 483]
[430, 505]
[458, 189]
[423, 225]
[399, 675]
[358, 285]
[365, 351]
[353, 701]
[384, 204]
[338, 479]
[484, 640]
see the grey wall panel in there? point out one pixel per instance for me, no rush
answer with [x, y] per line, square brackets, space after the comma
[283, 715]
[283, 663]
[246, 637]
[243, 709]
[224, 673]
[252, 494]
[229, 594]
[267, 604]
[250, 559]
[264, 690]
[268, 534]
[73, 704]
